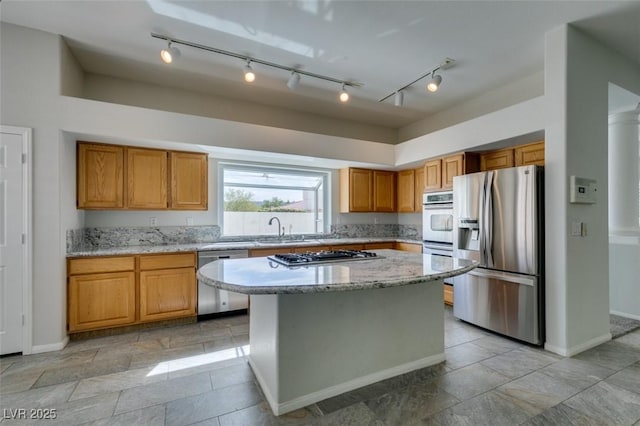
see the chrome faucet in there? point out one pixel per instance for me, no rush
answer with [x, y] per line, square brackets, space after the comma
[280, 232]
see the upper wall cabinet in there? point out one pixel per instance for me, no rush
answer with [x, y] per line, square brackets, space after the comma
[364, 190]
[410, 186]
[146, 179]
[121, 177]
[439, 172]
[100, 179]
[189, 181]
[499, 159]
[529, 154]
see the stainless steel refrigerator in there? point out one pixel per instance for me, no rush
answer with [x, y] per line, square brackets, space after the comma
[499, 221]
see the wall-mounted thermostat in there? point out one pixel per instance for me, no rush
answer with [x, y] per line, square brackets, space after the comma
[582, 190]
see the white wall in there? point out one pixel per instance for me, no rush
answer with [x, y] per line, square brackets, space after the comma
[577, 72]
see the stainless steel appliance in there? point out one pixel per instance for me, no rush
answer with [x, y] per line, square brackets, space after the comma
[499, 223]
[312, 258]
[212, 301]
[437, 224]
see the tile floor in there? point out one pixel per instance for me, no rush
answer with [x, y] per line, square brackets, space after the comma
[198, 374]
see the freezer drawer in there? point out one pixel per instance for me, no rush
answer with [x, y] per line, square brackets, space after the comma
[506, 303]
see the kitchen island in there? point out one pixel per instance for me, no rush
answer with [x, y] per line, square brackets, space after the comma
[321, 330]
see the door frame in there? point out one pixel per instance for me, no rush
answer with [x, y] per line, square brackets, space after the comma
[27, 252]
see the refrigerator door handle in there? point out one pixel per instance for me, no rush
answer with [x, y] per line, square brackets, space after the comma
[503, 276]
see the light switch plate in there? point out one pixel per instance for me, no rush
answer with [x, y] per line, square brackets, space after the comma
[576, 229]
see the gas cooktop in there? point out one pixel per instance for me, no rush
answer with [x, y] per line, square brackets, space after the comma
[313, 258]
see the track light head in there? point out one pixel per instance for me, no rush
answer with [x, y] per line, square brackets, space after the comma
[344, 95]
[249, 75]
[434, 83]
[169, 54]
[399, 98]
[294, 80]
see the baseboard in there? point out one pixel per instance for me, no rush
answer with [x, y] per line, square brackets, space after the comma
[304, 400]
[38, 349]
[574, 350]
[626, 315]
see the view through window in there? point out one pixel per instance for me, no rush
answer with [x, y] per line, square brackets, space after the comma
[252, 195]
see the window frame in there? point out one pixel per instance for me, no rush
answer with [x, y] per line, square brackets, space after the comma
[277, 168]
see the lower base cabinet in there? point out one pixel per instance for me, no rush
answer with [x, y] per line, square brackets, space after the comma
[448, 294]
[115, 291]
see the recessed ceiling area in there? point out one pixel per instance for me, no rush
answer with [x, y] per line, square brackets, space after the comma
[383, 44]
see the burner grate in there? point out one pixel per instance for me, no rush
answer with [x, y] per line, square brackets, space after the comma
[307, 258]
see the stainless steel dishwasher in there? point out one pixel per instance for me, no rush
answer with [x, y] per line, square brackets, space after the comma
[213, 302]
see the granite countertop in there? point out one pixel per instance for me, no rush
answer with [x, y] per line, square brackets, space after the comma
[227, 245]
[259, 275]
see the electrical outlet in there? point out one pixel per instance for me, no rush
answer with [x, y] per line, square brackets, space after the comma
[153, 221]
[189, 221]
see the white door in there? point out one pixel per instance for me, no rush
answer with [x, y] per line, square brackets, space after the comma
[12, 260]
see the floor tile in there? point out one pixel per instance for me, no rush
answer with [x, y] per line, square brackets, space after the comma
[628, 379]
[539, 391]
[490, 408]
[580, 374]
[260, 414]
[161, 392]
[218, 343]
[518, 362]
[37, 398]
[81, 371]
[631, 339]
[561, 415]
[132, 349]
[100, 342]
[151, 416]
[608, 404]
[115, 382]
[166, 355]
[465, 354]
[470, 381]
[410, 404]
[199, 336]
[218, 402]
[613, 355]
[357, 414]
[20, 380]
[464, 334]
[496, 344]
[233, 375]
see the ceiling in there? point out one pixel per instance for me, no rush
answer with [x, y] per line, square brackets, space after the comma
[382, 44]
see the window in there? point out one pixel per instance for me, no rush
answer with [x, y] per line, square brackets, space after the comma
[249, 196]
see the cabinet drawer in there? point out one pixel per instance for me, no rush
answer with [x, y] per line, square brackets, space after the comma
[91, 265]
[164, 261]
[379, 246]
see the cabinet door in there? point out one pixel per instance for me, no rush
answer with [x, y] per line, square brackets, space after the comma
[406, 190]
[526, 155]
[100, 176]
[414, 248]
[452, 166]
[378, 246]
[167, 294]
[146, 178]
[419, 189]
[499, 159]
[189, 181]
[360, 190]
[348, 247]
[433, 175]
[384, 191]
[448, 294]
[101, 300]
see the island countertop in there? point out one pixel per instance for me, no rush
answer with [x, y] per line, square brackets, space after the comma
[391, 268]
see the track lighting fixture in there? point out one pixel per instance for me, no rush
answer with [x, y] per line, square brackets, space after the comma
[344, 95]
[169, 54]
[249, 74]
[434, 83]
[432, 86]
[399, 99]
[294, 80]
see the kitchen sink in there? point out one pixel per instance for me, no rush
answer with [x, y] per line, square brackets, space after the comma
[228, 244]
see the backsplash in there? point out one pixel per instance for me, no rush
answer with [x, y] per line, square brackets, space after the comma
[100, 238]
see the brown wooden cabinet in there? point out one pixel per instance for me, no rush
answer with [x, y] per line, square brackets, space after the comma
[379, 246]
[384, 191]
[406, 190]
[499, 159]
[101, 293]
[100, 176]
[412, 247]
[189, 181]
[448, 294]
[433, 175]
[123, 177]
[419, 189]
[530, 154]
[356, 190]
[146, 178]
[113, 291]
[364, 190]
